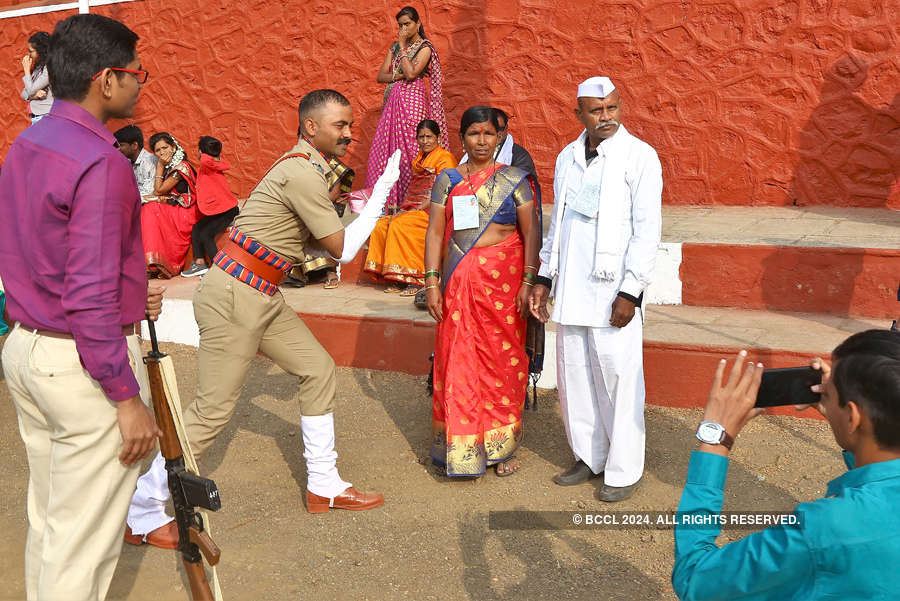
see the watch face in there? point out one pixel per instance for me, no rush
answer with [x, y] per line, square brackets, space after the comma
[710, 432]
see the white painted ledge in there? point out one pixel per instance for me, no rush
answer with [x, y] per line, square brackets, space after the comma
[49, 8]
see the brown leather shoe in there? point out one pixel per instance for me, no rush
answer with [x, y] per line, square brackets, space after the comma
[164, 537]
[350, 499]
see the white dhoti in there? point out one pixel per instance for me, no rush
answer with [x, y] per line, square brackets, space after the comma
[601, 393]
[148, 504]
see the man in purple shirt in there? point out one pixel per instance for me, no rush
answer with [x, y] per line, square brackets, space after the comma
[72, 264]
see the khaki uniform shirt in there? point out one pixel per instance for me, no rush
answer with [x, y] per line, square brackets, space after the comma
[291, 208]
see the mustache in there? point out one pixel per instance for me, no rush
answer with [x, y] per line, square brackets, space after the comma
[605, 123]
[344, 141]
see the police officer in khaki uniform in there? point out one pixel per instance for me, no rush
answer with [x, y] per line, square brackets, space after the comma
[240, 311]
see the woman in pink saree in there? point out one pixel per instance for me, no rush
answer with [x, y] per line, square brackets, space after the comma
[407, 101]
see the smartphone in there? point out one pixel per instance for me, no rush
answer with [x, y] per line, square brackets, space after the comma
[788, 386]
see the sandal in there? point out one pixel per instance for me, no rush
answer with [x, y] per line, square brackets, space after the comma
[331, 282]
[410, 290]
[508, 470]
[421, 300]
[392, 289]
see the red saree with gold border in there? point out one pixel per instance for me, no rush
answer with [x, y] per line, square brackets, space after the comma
[480, 364]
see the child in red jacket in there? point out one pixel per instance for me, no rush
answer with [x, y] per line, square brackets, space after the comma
[215, 201]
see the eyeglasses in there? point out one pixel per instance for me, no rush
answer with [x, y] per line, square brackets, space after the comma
[140, 75]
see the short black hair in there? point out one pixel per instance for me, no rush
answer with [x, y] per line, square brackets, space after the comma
[502, 114]
[130, 134]
[211, 146]
[162, 136]
[477, 114]
[316, 99]
[83, 45]
[41, 42]
[430, 125]
[867, 371]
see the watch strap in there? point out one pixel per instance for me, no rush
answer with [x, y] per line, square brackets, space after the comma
[727, 440]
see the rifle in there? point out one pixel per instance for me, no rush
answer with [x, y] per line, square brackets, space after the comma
[189, 491]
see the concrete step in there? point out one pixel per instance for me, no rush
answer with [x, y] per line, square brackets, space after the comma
[361, 326]
[840, 261]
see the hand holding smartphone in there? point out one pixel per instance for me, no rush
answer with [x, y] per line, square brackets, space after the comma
[788, 386]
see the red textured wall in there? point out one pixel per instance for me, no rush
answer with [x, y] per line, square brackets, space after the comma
[748, 103]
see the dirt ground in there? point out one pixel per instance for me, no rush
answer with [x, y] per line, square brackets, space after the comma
[431, 540]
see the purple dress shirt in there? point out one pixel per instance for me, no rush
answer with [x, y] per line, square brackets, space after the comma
[71, 255]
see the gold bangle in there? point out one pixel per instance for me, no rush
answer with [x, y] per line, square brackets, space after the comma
[429, 287]
[531, 267]
[527, 283]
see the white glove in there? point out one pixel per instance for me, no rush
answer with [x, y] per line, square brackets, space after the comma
[375, 206]
[356, 234]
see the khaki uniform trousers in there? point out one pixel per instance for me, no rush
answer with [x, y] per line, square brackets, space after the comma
[78, 491]
[235, 322]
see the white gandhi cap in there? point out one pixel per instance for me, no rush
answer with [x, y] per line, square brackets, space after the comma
[596, 87]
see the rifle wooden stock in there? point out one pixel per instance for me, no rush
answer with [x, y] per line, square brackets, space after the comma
[168, 442]
[200, 590]
[192, 539]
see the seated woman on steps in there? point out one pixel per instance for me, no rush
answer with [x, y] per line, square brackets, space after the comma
[397, 245]
[167, 219]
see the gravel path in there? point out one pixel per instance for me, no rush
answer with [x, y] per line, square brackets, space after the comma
[431, 540]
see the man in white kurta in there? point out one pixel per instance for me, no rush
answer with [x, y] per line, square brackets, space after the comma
[598, 258]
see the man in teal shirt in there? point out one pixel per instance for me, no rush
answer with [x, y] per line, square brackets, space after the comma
[845, 545]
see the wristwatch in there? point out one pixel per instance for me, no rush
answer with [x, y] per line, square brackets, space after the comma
[711, 432]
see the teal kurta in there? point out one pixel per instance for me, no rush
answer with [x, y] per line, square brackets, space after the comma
[846, 546]
[3, 327]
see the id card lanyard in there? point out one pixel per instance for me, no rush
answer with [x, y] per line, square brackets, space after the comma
[465, 207]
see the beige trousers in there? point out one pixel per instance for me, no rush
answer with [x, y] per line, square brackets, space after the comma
[235, 322]
[78, 492]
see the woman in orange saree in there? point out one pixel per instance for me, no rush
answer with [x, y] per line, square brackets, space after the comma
[481, 255]
[397, 245]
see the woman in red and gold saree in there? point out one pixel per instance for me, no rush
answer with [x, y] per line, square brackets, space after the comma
[167, 220]
[481, 257]
[397, 244]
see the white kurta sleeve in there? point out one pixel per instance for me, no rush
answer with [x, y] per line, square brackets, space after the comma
[558, 192]
[646, 223]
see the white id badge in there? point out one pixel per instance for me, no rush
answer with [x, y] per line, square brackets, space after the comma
[465, 212]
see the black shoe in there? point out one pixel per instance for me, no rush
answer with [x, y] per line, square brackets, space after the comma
[895, 327]
[578, 473]
[292, 282]
[612, 494]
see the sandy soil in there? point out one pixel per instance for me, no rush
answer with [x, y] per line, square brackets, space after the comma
[431, 540]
